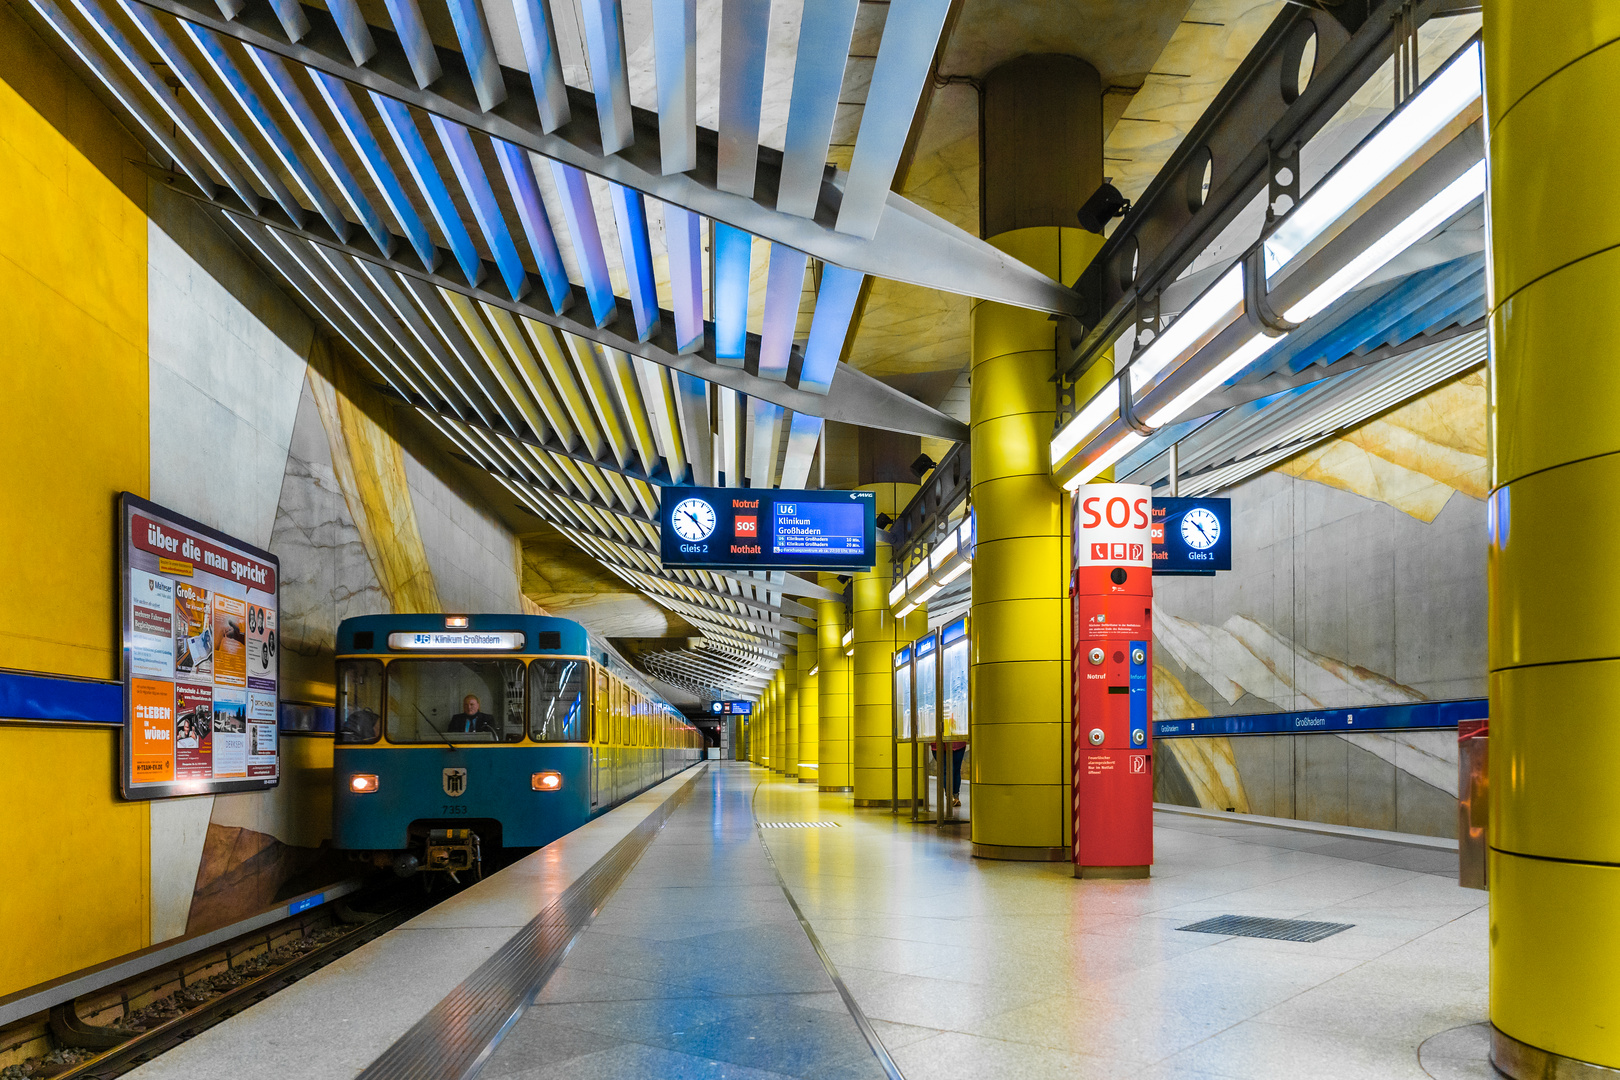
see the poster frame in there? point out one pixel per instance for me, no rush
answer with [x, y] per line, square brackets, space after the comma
[126, 502]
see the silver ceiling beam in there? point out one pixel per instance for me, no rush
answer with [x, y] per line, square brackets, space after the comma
[898, 240]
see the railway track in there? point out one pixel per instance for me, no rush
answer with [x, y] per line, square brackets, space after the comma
[212, 986]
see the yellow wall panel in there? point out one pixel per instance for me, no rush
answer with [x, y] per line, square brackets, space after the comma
[86, 899]
[1525, 43]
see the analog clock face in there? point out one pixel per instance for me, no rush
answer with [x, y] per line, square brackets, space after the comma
[1200, 528]
[693, 520]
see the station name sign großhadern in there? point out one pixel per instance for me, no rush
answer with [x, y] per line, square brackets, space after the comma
[767, 528]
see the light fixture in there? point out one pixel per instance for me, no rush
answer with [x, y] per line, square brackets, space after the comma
[1456, 195]
[849, 636]
[455, 622]
[907, 610]
[1097, 412]
[363, 783]
[815, 671]
[915, 577]
[1127, 442]
[546, 781]
[943, 550]
[1242, 356]
[955, 572]
[897, 592]
[1453, 89]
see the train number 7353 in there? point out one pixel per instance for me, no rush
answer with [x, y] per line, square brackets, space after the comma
[452, 809]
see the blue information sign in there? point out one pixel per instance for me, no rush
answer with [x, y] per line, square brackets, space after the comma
[766, 527]
[732, 708]
[1192, 536]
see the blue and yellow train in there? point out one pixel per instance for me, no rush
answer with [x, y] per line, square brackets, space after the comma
[461, 734]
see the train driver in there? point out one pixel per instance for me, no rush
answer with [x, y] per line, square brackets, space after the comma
[471, 718]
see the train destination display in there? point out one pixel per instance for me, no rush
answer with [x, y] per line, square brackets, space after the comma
[201, 662]
[768, 528]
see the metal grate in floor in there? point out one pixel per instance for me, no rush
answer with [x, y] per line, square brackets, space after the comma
[798, 824]
[1277, 929]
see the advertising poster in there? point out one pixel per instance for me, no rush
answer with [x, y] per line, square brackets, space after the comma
[193, 731]
[230, 734]
[201, 665]
[230, 641]
[261, 647]
[152, 733]
[193, 631]
[152, 616]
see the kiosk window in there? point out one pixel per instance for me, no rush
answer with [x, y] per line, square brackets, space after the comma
[359, 701]
[558, 700]
[455, 701]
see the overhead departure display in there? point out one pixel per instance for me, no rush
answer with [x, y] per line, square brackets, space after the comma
[753, 528]
[1191, 536]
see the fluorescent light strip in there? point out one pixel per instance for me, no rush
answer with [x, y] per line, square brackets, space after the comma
[1127, 442]
[962, 567]
[897, 592]
[1242, 356]
[1454, 89]
[1458, 194]
[1220, 304]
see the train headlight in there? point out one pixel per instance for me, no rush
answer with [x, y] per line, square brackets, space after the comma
[363, 783]
[546, 781]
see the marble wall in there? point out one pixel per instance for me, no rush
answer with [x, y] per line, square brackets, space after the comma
[1358, 578]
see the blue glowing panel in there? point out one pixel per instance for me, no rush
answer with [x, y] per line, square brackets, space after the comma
[310, 127]
[417, 42]
[580, 213]
[408, 140]
[539, 36]
[1138, 692]
[531, 210]
[733, 250]
[1427, 714]
[458, 145]
[630, 214]
[1191, 536]
[219, 58]
[336, 94]
[478, 51]
[835, 306]
[604, 40]
[352, 25]
[784, 289]
[759, 528]
[684, 241]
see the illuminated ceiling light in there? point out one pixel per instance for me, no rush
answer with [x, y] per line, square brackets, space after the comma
[1454, 89]
[1097, 412]
[1127, 442]
[928, 593]
[943, 550]
[897, 592]
[1242, 356]
[907, 610]
[915, 578]
[955, 572]
[1458, 194]
[849, 636]
[455, 622]
[815, 671]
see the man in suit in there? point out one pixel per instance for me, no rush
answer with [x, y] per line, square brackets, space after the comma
[471, 718]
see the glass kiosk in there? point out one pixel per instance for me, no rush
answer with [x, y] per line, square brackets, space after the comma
[931, 683]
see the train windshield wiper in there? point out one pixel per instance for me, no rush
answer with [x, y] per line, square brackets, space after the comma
[434, 728]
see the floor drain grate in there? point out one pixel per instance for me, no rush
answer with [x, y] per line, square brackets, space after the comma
[1277, 929]
[798, 824]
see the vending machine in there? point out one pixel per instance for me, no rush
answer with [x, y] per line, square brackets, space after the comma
[1111, 627]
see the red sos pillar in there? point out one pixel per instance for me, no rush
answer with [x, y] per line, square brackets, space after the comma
[1111, 639]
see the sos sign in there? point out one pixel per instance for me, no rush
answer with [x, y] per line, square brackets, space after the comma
[1113, 525]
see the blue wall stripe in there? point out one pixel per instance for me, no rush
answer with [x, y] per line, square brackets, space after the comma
[1423, 714]
[47, 697]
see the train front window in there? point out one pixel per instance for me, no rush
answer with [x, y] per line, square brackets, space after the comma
[557, 700]
[359, 701]
[455, 701]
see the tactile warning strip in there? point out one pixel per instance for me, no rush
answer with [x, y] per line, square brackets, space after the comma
[798, 824]
[1257, 927]
[453, 1040]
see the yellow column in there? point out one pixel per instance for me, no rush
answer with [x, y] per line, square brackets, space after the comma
[765, 727]
[832, 711]
[790, 716]
[1555, 392]
[809, 707]
[873, 666]
[778, 726]
[1035, 174]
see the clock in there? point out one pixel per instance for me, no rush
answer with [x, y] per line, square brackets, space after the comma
[693, 520]
[1200, 528]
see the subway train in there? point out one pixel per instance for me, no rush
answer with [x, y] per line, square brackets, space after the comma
[459, 736]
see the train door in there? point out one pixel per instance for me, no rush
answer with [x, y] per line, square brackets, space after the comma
[599, 727]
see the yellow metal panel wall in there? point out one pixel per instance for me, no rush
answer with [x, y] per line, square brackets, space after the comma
[875, 643]
[809, 709]
[74, 357]
[833, 754]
